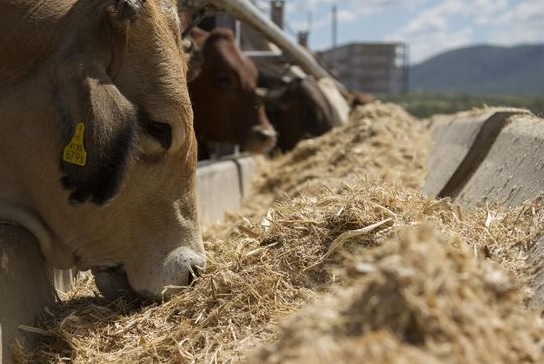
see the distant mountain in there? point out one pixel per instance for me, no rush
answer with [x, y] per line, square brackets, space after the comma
[484, 69]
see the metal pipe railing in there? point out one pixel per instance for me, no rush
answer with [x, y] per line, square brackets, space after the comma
[249, 14]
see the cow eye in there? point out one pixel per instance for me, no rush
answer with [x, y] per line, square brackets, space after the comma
[160, 131]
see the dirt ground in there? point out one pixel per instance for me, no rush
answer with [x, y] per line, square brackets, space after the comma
[335, 257]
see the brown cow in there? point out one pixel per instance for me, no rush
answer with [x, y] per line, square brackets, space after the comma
[295, 105]
[297, 108]
[359, 98]
[97, 150]
[224, 98]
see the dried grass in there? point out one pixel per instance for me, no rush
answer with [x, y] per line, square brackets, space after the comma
[416, 299]
[412, 277]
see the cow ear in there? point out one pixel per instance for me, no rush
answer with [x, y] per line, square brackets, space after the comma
[98, 124]
[99, 129]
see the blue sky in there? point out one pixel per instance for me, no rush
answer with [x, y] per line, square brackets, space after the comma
[428, 26]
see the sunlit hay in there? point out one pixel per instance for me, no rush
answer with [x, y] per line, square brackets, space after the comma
[271, 259]
[380, 142]
[416, 299]
[268, 269]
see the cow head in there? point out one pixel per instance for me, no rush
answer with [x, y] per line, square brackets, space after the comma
[124, 197]
[297, 109]
[225, 102]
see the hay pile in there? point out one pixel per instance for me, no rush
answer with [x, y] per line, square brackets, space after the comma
[411, 276]
[416, 299]
[381, 142]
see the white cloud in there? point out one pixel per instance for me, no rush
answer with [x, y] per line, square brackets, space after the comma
[484, 11]
[522, 24]
[438, 26]
[423, 47]
[349, 11]
[529, 12]
[429, 21]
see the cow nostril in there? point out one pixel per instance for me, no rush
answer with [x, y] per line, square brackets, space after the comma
[194, 272]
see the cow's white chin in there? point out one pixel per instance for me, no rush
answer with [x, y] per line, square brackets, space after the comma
[176, 270]
[260, 145]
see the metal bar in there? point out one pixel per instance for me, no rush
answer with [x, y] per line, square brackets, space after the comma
[249, 14]
[263, 54]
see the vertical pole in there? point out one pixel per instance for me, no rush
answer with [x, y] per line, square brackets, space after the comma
[334, 35]
[406, 66]
[303, 38]
[334, 25]
[276, 12]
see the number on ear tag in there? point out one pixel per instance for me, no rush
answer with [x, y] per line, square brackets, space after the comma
[74, 152]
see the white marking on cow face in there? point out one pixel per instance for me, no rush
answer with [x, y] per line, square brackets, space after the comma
[155, 281]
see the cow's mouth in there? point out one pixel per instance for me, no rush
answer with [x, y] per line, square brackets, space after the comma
[112, 282]
[261, 140]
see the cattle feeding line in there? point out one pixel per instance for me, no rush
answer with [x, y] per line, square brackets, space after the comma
[245, 11]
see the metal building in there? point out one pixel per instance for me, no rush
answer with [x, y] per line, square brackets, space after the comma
[378, 68]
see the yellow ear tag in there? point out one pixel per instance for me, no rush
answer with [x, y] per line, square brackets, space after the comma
[75, 152]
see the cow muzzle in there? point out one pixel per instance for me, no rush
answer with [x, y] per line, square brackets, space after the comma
[262, 140]
[172, 273]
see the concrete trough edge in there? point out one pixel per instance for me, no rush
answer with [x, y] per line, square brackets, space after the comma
[504, 161]
[459, 143]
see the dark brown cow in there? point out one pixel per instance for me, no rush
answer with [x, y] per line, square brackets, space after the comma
[225, 103]
[359, 98]
[297, 109]
[294, 102]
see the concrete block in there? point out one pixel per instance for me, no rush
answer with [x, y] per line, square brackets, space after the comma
[246, 169]
[498, 157]
[219, 190]
[458, 141]
[513, 169]
[222, 185]
[24, 286]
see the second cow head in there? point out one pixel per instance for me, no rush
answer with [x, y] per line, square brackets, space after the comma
[226, 106]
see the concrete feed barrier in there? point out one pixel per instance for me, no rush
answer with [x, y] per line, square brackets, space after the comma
[536, 260]
[504, 162]
[459, 143]
[222, 187]
[495, 154]
[513, 170]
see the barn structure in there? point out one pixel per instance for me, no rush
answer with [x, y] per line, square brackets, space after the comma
[378, 68]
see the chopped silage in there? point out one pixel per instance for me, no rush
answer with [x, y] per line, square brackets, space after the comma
[412, 277]
[415, 299]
